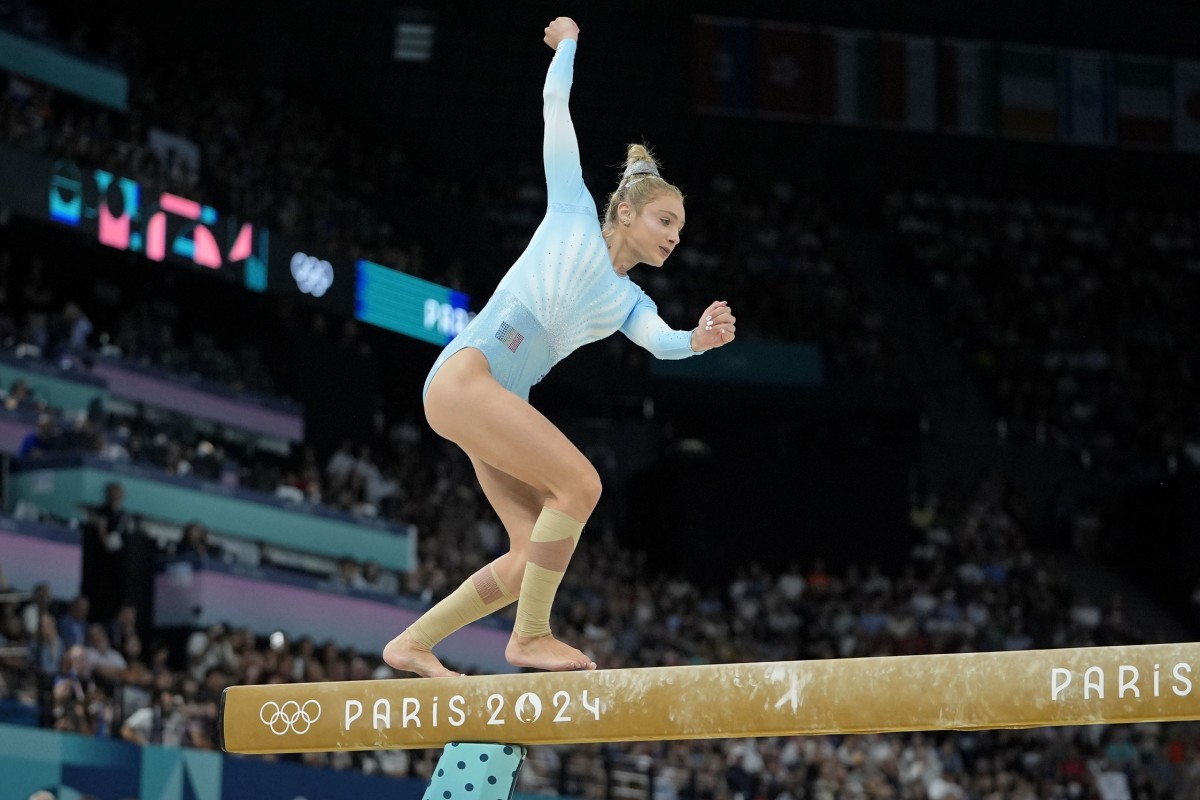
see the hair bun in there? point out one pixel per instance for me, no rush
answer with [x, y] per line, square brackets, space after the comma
[641, 168]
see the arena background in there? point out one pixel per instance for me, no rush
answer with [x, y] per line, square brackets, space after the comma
[890, 385]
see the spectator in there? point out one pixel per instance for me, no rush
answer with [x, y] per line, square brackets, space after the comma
[45, 646]
[78, 328]
[175, 463]
[103, 661]
[134, 690]
[195, 544]
[37, 607]
[791, 583]
[42, 440]
[107, 552]
[69, 693]
[72, 623]
[375, 489]
[378, 580]
[123, 626]
[348, 575]
[340, 468]
[18, 395]
[162, 722]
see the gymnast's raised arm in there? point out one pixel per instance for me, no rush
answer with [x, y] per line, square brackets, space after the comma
[560, 149]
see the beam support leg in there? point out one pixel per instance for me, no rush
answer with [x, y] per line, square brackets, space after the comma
[473, 771]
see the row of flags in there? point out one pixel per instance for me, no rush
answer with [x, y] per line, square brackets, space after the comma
[921, 83]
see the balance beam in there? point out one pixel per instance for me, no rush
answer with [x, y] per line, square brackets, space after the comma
[964, 691]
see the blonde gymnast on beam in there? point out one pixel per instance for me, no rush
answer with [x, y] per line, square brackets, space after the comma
[570, 287]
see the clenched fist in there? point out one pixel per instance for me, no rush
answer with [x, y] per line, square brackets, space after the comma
[559, 29]
[716, 327]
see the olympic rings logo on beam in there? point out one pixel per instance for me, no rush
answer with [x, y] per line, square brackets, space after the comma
[291, 716]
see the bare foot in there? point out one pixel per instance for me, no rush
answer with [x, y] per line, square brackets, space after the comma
[404, 654]
[545, 652]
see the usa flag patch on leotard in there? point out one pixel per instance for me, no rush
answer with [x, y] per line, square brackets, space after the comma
[510, 336]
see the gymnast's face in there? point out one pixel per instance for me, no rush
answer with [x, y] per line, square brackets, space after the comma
[653, 234]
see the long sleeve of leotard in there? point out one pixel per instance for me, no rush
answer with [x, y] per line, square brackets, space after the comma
[646, 328]
[565, 190]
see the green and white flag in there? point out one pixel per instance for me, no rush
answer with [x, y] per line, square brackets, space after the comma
[849, 66]
[1028, 92]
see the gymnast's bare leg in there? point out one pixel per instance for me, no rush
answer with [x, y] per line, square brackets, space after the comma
[525, 466]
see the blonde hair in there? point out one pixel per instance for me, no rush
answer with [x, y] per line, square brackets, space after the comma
[637, 189]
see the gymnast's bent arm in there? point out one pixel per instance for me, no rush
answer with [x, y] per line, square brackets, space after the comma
[647, 329]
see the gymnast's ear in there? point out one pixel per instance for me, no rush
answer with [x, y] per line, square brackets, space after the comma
[625, 212]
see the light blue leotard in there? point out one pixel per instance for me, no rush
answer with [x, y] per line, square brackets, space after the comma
[563, 291]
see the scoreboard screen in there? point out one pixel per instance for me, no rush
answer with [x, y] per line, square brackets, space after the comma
[168, 228]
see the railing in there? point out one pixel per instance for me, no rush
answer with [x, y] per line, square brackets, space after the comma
[58, 484]
[622, 776]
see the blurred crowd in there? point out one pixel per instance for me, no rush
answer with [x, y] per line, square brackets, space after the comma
[1078, 320]
[38, 326]
[971, 583]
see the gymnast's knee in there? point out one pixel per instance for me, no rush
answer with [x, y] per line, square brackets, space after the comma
[578, 493]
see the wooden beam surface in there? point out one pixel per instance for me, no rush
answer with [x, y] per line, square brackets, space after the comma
[965, 691]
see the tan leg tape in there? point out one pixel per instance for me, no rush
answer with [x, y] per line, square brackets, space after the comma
[475, 598]
[550, 547]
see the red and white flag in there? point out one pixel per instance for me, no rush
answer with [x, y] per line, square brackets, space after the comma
[906, 81]
[967, 86]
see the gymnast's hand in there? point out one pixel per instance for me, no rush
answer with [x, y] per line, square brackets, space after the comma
[559, 29]
[716, 327]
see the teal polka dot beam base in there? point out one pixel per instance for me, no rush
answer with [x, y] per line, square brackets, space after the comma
[472, 771]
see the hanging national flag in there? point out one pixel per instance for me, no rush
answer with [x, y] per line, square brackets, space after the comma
[785, 64]
[906, 80]
[849, 69]
[1086, 89]
[1187, 105]
[1028, 107]
[1144, 109]
[722, 65]
[967, 86]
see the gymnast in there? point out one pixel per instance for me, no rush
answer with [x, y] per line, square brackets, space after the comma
[568, 288]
